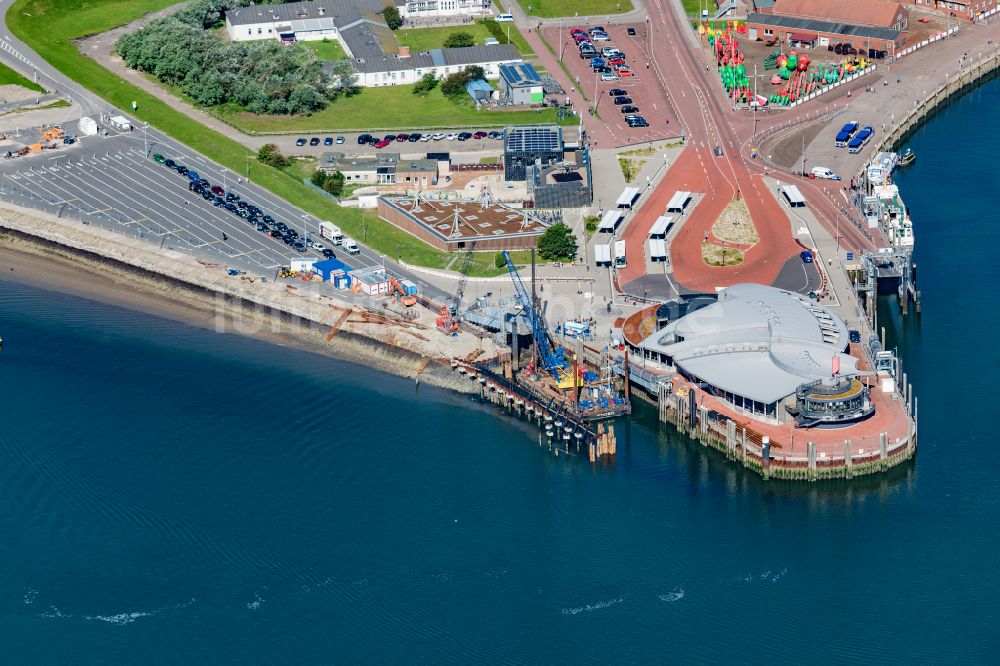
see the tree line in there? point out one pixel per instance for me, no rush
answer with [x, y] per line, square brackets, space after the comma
[263, 77]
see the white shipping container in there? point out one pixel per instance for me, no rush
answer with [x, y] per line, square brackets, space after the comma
[88, 126]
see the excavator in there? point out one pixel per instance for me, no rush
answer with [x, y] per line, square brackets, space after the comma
[446, 323]
[409, 300]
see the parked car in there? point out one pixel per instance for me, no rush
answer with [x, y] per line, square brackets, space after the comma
[622, 99]
[453, 136]
[314, 141]
[609, 76]
[158, 158]
[597, 28]
[424, 138]
[617, 61]
[402, 136]
[300, 141]
[479, 135]
[464, 136]
[438, 136]
[630, 31]
[416, 136]
[170, 164]
[600, 37]
[389, 137]
[328, 141]
[381, 144]
[617, 92]
[628, 108]
[807, 257]
[363, 139]
[340, 140]
[218, 191]
[625, 71]
[855, 336]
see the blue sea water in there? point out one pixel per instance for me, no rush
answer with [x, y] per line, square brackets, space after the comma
[173, 495]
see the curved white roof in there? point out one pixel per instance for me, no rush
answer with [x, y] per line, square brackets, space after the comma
[758, 342]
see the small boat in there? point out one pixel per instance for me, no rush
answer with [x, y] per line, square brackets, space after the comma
[907, 158]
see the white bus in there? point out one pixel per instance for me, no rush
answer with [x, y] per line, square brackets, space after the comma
[620, 254]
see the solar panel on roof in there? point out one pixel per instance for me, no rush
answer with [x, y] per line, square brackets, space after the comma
[533, 139]
[529, 73]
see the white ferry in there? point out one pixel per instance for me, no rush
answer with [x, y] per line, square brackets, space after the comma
[883, 207]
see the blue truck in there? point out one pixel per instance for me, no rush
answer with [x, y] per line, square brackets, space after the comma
[860, 139]
[847, 133]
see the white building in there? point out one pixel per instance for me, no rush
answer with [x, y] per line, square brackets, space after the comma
[322, 19]
[376, 55]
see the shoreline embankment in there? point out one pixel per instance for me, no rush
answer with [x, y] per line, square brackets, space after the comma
[62, 255]
[977, 72]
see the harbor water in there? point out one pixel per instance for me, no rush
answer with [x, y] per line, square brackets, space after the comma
[173, 495]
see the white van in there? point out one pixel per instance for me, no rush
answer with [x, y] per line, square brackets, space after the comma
[350, 246]
[504, 18]
[823, 172]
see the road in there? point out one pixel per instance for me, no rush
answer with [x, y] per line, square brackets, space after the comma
[18, 55]
[686, 72]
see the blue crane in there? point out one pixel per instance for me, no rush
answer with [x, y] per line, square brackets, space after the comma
[552, 359]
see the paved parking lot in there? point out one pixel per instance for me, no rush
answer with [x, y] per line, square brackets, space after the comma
[350, 146]
[109, 182]
[644, 88]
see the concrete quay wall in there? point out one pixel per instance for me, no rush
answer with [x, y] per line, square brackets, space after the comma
[741, 444]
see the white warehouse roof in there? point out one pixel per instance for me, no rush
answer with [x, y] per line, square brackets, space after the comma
[758, 342]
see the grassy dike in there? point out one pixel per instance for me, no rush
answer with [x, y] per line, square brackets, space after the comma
[49, 26]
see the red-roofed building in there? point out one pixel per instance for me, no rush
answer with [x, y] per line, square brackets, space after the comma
[869, 26]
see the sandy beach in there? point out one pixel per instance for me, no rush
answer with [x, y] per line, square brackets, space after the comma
[64, 270]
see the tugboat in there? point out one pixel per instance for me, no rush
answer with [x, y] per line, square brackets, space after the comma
[907, 158]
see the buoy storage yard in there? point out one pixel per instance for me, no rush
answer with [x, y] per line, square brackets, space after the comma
[717, 211]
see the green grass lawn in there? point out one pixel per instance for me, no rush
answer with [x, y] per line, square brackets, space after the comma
[326, 49]
[389, 108]
[556, 8]
[47, 26]
[694, 7]
[10, 77]
[422, 39]
[301, 167]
